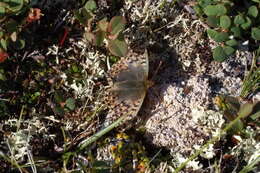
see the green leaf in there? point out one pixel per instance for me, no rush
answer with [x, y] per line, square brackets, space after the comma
[228, 50]
[245, 110]
[236, 31]
[3, 44]
[100, 36]
[225, 22]
[19, 44]
[212, 33]
[101, 167]
[253, 11]
[247, 24]
[103, 24]
[237, 127]
[2, 77]
[58, 110]
[83, 16]
[116, 25]
[255, 33]
[118, 47]
[232, 42]
[74, 68]
[221, 36]
[15, 5]
[255, 116]
[239, 19]
[96, 38]
[90, 37]
[219, 54]
[58, 97]
[11, 26]
[213, 21]
[204, 3]
[2, 12]
[90, 5]
[70, 103]
[198, 10]
[215, 10]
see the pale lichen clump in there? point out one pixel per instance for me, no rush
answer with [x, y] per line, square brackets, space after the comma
[194, 164]
[250, 147]
[171, 122]
[18, 142]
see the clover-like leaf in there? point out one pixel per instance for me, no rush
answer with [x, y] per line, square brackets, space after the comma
[252, 11]
[213, 21]
[70, 103]
[247, 24]
[236, 31]
[239, 19]
[225, 21]
[255, 33]
[232, 42]
[219, 54]
[90, 5]
[221, 36]
[212, 33]
[215, 10]
[228, 50]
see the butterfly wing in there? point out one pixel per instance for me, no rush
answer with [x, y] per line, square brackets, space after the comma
[126, 92]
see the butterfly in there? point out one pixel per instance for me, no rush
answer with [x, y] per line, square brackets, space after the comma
[128, 84]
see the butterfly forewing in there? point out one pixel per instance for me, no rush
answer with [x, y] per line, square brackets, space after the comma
[127, 89]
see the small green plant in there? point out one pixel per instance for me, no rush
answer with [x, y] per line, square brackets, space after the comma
[231, 23]
[110, 31]
[233, 108]
[14, 15]
[251, 82]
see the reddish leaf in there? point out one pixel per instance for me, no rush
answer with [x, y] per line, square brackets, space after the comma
[3, 55]
[115, 26]
[90, 37]
[102, 25]
[34, 14]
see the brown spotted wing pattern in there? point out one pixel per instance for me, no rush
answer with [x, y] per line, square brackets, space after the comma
[128, 83]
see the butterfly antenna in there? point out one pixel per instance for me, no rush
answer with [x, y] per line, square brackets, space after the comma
[156, 71]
